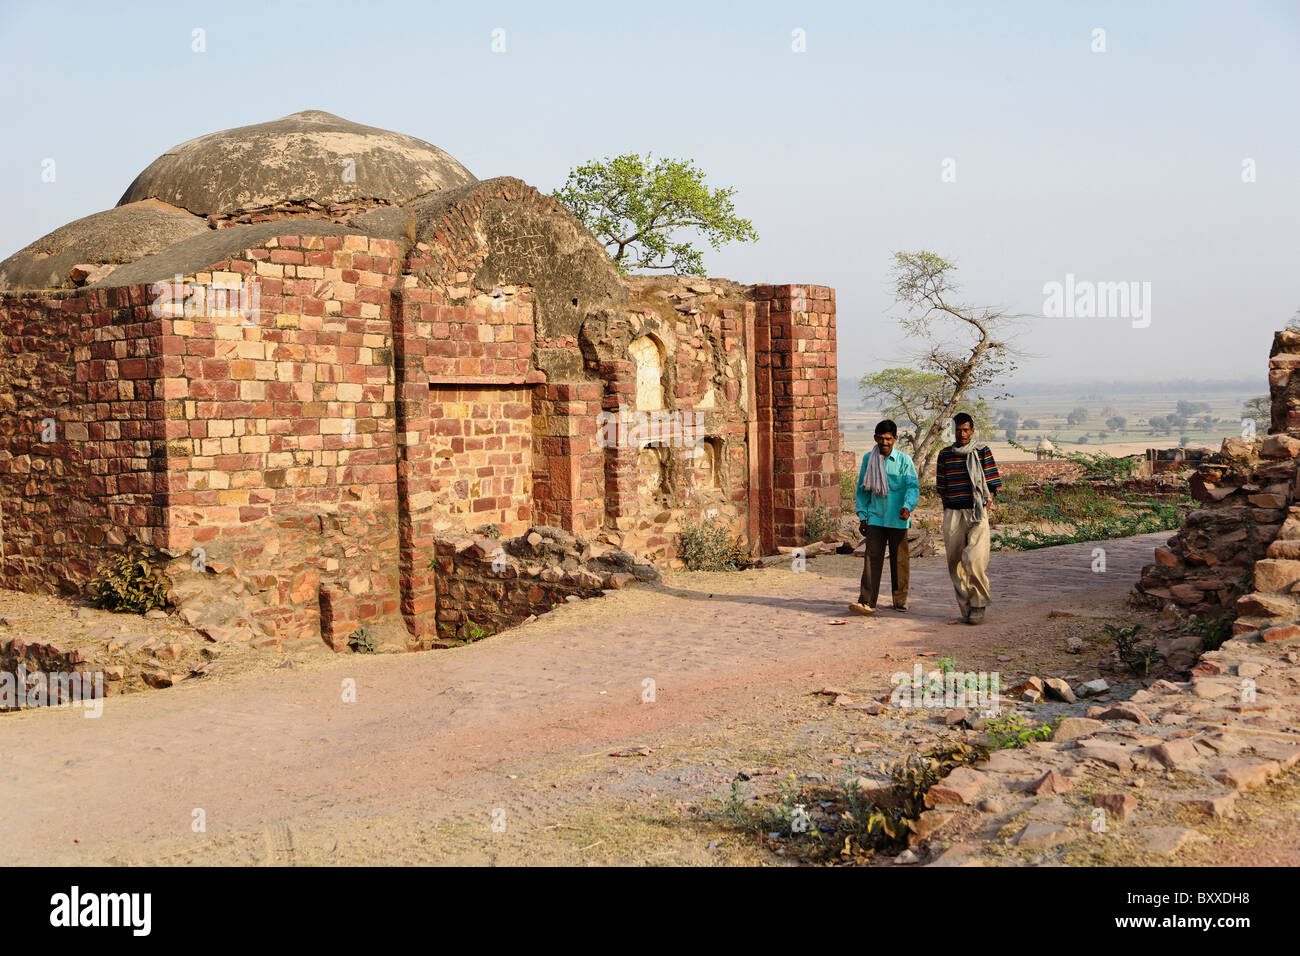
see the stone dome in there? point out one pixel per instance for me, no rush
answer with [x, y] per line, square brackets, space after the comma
[311, 155]
[109, 238]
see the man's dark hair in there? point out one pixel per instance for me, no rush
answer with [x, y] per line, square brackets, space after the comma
[961, 418]
[887, 427]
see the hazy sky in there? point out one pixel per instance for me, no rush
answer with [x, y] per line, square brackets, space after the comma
[1123, 165]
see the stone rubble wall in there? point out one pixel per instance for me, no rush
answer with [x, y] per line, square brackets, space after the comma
[1240, 553]
[84, 368]
[487, 585]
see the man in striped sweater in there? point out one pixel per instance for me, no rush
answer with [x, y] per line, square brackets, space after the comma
[967, 480]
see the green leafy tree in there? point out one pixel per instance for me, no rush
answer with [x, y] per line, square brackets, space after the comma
[1116, 422]
[915, 400]
[1077, 416]
[1030, 423]
[636, 206]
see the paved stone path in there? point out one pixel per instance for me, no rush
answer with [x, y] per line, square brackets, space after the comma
[261, 751]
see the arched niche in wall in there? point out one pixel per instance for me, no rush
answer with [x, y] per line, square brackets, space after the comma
[707, 464]
[648, 354]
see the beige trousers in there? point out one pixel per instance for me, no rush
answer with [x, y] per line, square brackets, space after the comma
[967, 543]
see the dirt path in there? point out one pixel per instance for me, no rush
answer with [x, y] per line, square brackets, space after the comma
[517, 729]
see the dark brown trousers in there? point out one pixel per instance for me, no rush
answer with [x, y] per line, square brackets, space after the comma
[873, 565]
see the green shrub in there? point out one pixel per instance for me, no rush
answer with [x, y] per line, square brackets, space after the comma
[848, 490]
[820, 522]
[362, 641]
[1014, 731]
[707, 545]
[128, 584]
[1135, 655]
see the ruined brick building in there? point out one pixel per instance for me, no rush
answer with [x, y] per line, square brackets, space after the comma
[312, 349]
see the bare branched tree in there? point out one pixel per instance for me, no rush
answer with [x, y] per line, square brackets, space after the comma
[965, 344]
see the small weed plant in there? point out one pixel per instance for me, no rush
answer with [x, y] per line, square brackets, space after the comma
[362, 641]
[128, 584]
[707, 545]
[1012, 730]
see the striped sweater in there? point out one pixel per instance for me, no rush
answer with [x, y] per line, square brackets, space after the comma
[953, 481]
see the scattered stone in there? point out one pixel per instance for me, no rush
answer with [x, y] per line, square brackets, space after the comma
[1003, 761]
[1178, 754]
[157, 678]
[1109, 754]
[1059, 689]
[1032, 696]
[1118, 712]
[1167, 841]
[990, 805]
[1033, 684]
[907, 857]
[1243, 773]
[1092, 688]
[960, 786]
[928, 823]
[1070, 728]
[956, 716]
[1118, 805]
[1044, 836]
[1050, 782]
[1074, 645]
[1215, 805]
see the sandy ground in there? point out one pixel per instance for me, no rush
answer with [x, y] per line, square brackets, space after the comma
[501, 752]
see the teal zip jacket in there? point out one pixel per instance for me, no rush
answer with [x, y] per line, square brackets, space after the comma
[904, 492]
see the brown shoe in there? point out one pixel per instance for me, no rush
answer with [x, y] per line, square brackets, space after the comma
[900, 607]
[862, 609]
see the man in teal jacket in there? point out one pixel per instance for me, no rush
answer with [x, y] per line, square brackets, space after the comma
[888, 490]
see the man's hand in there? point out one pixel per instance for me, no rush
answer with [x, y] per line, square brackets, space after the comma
[862, 528]
[904, 513]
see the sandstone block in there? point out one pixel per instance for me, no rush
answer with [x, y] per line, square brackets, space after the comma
[1118, 805]
[960, 786]
[1050, 782]
[1044, 836]
[1177, 754]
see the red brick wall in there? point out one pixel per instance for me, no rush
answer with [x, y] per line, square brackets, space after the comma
[805, 412]
[281, 429]
[481, 437]
[91, 363]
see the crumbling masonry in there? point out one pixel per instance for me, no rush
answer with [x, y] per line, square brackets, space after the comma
[296, 356]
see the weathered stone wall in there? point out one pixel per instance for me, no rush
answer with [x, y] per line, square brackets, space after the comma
[85, 371]
[487, 585]
[1240, 553]
[481, 437]
[393, 391]
[281, 453]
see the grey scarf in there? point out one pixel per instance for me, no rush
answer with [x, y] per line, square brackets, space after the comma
[975, 468]
[874, 478]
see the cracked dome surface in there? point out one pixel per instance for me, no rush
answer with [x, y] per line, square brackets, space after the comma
[307, 156]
